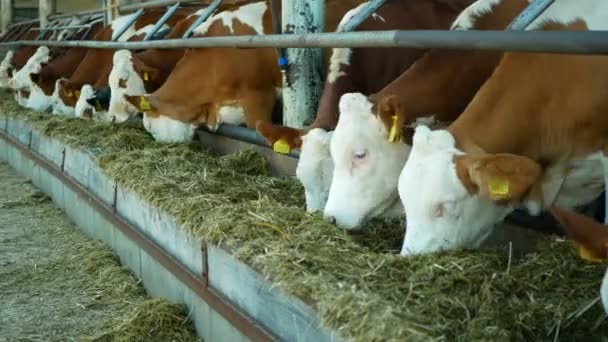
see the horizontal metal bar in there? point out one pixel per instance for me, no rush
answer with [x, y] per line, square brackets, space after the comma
[238, 319]
[76, 14]
[59, 28]
[246, 135]
[150, 4]
[575, 42]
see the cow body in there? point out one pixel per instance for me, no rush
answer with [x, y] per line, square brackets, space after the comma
[240, 85]
[535, 135]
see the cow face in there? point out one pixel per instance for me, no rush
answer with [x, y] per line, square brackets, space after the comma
[83, 108]
[366, 166]
[68, 93]
[6, 68]
[453, 200]
[315, 168]
[123, 80]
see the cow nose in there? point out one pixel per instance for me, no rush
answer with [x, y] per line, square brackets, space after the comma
[330, 219]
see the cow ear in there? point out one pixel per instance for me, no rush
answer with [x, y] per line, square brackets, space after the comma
[590, 237]
[390, 111]
[149, 73]
[503, 178]
[281, 138]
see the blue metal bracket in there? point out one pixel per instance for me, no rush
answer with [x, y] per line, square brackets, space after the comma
[170, 11]
[527, 16]
[360, 16]
[202, 18]
[128, 24]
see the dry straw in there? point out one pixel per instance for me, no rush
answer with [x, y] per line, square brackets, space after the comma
[358, 284]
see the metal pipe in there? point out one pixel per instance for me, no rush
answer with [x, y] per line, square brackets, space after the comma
[529, 14]
[170, 11]
[59, 28]
[361, 15]
[202, 18]
[76, 14]
[572, 42]
[128, 24]
[245, 134]
[149, 4]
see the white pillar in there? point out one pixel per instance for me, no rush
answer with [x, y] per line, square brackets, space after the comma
[6, 15]
[304, 81]
[45, 8]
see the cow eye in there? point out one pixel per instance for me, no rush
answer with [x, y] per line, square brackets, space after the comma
[360, 154]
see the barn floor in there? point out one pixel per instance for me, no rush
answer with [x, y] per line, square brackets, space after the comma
[56, 284]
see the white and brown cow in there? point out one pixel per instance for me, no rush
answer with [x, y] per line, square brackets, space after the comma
[364, 70]
[534, 136]
[212, 86]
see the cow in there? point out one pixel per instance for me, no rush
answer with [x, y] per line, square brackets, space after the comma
[590, 238]
[534, 136]
[95, 67]
[40, 76]
[441, 83]
[240, 86]
[143, 72]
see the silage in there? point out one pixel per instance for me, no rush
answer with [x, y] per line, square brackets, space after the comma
[358, 283]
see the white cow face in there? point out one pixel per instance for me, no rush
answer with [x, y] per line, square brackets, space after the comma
[453, 200]
[315, 168]
[366, 166]
[5, 69]
[123, 80]
[83, 109]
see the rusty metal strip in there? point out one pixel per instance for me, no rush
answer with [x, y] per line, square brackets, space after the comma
[238, 319]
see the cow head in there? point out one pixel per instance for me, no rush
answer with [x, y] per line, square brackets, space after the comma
[59, 107]
[366, 166]
[83, 109]
[315, 168]
[453, 200]
[590, 238]
[68, 93]
[128, 77]
[6, 69]
[162, 128]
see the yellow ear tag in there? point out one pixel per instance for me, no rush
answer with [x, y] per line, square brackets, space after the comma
[97, 105]
[146, 76]
[498, 187]
[144, 104]
[393, 134]
[77, 93]
[586, 254]
[281, 146]
[70, 94]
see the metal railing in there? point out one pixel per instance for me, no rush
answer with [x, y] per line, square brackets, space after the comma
[574, 42]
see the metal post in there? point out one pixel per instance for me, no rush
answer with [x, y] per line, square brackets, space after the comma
[111, 10]
[45, 9]
[127, 24]
[529, 14]
[361, 15]
[170, 11]
[204, 16]
[6, 7]
[302, 82]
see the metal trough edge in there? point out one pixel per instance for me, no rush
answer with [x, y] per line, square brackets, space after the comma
[198, 284]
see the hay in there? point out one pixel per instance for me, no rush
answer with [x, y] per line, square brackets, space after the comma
[358, 284]
[56, 284]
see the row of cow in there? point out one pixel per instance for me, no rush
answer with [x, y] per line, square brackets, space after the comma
[452, 140]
